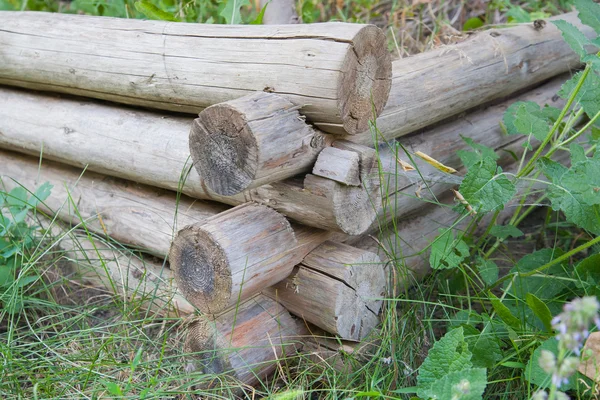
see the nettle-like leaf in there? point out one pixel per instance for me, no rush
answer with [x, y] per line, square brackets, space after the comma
[485, 188]
[504, 231]
[574, 37]
[510, 118]
[232, 13]
[589, 94]
[488, 270]
[447, 252]
[484, 347]
[468, 384]
[480, 152]
[575, 191]
[589, 13]
[528, 123]
[449, 354]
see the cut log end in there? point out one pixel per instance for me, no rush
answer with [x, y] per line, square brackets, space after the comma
[367, 80]
[224, 151]
[201, 270]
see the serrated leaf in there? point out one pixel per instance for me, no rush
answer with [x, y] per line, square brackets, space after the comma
[488, 270]
[589, 13]
[468, 384]
[259, 18]
[485, 188]
[447, 252]
[510, 115]
[577, 153]
[484, 347]
[504, 313]
[574, 37]
[589, 94]
[540, 309]
[449, 354]
[480, 152]
[504, 231]
[528, 123]
[232, 13]
[151, 11]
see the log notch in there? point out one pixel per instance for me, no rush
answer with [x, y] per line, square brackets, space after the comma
[246, 341]
[432, 86]
[232, 256]
[336, 287]
[153, 149]
[247, 142]
[332, 70]
[279, 12]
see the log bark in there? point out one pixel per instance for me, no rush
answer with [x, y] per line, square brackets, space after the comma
[247, 142]
[144, 217]
[152, 148]
[431, 86]
[279, 12]
[245, 342]
[337, 288]
[331, 69]
[232, 256]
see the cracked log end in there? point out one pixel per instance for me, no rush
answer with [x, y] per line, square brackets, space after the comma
[366, 81]
[232, 256]
[251, 141]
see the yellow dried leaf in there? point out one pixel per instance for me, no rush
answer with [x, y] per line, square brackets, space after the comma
[590, 357]
[404, 165]
[435, 163]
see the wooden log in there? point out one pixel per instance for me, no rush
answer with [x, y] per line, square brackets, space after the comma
[245, 342]
[336, 287]
[279, 12]
[333, 70]
[247, 142]
[142, 216]
[345, 167]
[232, 256]
[153, 149]
[432, 86]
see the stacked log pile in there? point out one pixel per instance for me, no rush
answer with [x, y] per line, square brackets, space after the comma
[265, 200]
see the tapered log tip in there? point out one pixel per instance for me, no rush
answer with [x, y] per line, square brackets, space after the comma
[224, 151]
[201, 269]
[367, 80]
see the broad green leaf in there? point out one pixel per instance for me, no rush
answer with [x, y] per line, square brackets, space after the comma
[589, 268]
[577, 153]
[231, 12]
[589, 94]
[26, 280]
[6, 275]
[484, 347]
[480, 152]
[465, 317]
[152, 11]
[543, 285]
[589, 13]
[510, 115]
[488, 270]
[504, 231]
[504, 313]
[41, 194]
[259, 18]
[574, 37]
[17, 197]
[468, 384]
[447, 251]
[485, 188]
[528, 123]
[113, 388]
[540, 309]
[517, 15]
[449, 354]
[472, 24]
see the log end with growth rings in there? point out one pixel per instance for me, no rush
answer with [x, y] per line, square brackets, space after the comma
[201, 269]
[367, 80]
[224, 150]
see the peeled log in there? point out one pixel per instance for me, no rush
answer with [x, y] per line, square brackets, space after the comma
[152, 148]
[256, 139]
[336, 287]
[232, 256]
[246, 341]
[432, 86]
[279, 12]
[332, 70]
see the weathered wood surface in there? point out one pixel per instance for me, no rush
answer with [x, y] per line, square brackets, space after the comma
[336, 287]
[120, 272]
[152, 148]
[253, 140]
[232, 256]
[338, 165]
[246, 341]
[443, 142]
[329, 69]
[344, 356]
[141, 216]
[431, 86]
[279, 12]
